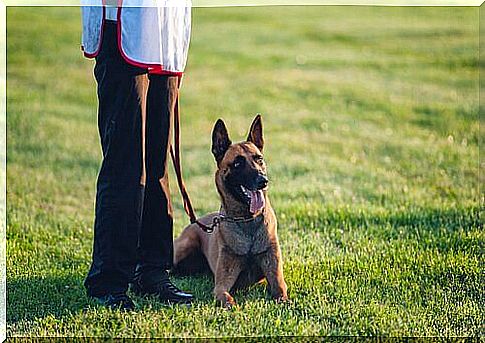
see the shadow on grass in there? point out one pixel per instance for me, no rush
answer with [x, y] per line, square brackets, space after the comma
[30, 298]
[33, 298]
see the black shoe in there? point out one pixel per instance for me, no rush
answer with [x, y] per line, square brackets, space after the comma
[165, 290]
[118, 301]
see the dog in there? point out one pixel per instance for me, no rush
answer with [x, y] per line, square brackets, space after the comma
[243, 248]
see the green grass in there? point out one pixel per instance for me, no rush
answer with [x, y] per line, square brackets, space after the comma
[371, 123]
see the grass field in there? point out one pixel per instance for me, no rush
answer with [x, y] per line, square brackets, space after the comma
[371, 123]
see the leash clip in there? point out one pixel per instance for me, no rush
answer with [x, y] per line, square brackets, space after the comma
[209, 229]
[215, 223]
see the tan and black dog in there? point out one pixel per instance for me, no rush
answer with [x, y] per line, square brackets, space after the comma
[243, 248]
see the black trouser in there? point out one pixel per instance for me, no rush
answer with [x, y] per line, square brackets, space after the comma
[133, 219]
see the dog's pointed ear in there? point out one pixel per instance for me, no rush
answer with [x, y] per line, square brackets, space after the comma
[255, 135]
[220, 140]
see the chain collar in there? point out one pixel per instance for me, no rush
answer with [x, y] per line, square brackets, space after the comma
[238, 219]
[221, 216]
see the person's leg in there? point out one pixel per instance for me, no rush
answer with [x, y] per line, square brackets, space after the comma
[122, 95]
[156, 235]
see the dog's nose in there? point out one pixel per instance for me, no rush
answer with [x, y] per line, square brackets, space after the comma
[262, 181]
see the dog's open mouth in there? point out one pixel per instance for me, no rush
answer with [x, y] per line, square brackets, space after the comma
[255, 199]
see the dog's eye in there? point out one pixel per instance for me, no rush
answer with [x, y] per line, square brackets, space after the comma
[258, 158]
[238, 162]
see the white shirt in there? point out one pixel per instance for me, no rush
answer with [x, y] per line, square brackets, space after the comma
[156, 37]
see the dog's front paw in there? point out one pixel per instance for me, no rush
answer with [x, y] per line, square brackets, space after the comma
[282, 299]
[230, 305]
[226, 300]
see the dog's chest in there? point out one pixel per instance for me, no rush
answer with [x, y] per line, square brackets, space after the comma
[245, 238]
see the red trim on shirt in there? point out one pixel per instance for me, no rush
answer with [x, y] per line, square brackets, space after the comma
[160, 71]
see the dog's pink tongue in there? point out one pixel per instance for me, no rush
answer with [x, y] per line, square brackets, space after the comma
[257, 201]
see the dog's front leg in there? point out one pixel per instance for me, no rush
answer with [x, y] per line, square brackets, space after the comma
[271, 264]
[227, 272]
